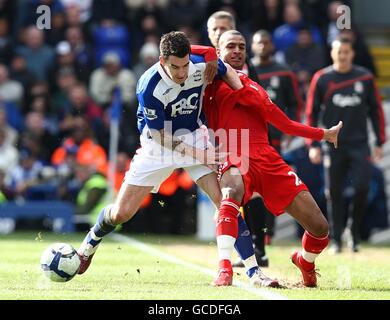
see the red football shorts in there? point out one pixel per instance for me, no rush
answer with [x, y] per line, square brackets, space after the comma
[266, 173]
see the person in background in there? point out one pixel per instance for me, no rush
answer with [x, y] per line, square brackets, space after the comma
[110, 75]
[93, 193]
[347, 92]
[148, 56]
[39, 56]
[9, 154]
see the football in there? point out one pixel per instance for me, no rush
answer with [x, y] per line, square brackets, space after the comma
[60, 262]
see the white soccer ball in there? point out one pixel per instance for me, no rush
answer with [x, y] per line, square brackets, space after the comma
[60, 262]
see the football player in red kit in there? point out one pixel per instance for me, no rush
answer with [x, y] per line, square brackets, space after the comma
[255, 166]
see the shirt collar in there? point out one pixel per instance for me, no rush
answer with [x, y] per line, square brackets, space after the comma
[168, 80]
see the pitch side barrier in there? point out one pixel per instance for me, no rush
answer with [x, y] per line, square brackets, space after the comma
[60, 212]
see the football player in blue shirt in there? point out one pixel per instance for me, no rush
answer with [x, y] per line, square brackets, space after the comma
[170, 121]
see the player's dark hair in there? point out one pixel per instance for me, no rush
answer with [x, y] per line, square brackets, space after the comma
[174, 43]
[343, 40]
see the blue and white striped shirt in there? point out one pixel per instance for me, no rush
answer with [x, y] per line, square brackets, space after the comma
[161, 99]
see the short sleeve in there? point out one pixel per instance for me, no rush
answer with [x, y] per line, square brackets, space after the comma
[221, 68]
[153, 111]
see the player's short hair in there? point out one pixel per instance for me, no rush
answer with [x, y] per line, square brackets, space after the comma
[263, 33]
[222, 15]
[230, 32]
[343, 40]
[174, 43]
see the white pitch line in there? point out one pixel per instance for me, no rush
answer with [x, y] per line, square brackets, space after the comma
[170, 258]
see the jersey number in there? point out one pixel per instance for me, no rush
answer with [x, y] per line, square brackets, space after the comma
[297, 180]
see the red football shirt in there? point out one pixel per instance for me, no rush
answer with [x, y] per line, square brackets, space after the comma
[248, 108]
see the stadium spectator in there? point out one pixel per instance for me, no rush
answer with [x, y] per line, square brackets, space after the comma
[66, 172]
[186, 12]
[36, 126]
[64, 56]
[40, 101]
[81, 105]
[82, 52]
[112, 36]
[266, 15]
[85, 8]
[330, 31]
[103, 9]
[6, 43]
[192, 34]
[5, 193]
[73, 17]
[20, 73]
[305, 57]
[56, 32]
[27, 13]
[10, 90]
[39, 56]
[111, 75]
[148, 56]
[14, 115]
[93, 193]
[347, 92]
[11, 135]
[9, 154]
[147, 21]
[25, 175]
[88, 152]
[8, 10]
[65, 81]
[286, 35]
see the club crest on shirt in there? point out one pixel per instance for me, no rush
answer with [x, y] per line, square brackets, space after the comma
[358, 87]
[150, 114]
[197, 76]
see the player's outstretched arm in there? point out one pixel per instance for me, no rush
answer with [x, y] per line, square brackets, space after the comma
[331, 135]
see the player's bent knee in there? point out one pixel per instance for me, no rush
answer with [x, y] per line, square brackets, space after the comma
[320, 227]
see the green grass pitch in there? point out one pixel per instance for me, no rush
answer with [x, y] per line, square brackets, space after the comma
[178, 268]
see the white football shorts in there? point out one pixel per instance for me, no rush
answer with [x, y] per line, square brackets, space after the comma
[152, 163]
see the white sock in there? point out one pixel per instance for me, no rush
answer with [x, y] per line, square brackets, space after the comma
[225, 245]
[250, 262]
[308, 256]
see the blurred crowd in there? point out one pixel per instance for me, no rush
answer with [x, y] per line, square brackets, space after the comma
[57, 84]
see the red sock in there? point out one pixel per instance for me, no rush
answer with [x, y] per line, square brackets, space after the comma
[227, 223]
[312, 244]
[312, 247]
